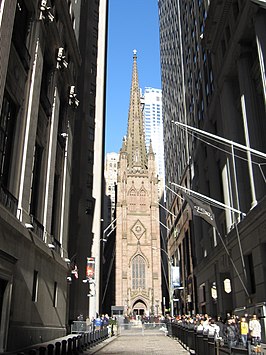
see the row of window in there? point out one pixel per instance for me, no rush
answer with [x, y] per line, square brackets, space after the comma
[138, 272]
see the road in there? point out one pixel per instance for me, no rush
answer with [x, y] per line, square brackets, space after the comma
[157, 344]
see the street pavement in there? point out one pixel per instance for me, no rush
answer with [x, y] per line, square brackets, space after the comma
[156, 344]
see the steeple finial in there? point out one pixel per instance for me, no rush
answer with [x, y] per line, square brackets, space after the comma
[136, 149]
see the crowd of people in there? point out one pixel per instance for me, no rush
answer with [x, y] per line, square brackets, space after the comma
[233, 330]
[94, 323]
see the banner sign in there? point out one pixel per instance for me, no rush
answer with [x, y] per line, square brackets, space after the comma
[90, 269]
[175, 276]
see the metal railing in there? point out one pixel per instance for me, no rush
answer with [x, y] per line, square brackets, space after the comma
[80, 327]
[70, 345]
[138, 327]
[38, 228]
[8, 200]
[201, 343]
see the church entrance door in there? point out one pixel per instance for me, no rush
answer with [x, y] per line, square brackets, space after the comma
[139, 308]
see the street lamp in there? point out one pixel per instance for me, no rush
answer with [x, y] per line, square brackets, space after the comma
[169, 286]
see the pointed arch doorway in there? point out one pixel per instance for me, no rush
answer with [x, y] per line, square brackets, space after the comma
[139, 308]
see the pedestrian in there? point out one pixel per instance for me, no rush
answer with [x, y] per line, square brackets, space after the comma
[244, 331]
[88, 324]
[200, 327]
[80, 317]
[214, 329]
[93, 320]
[221, 323]
[97, 323]
[255, 332]
[231, 333]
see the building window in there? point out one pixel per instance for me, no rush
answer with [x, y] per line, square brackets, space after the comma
[55, 295]
[227, 33]
[92, 111]
[21, 31]
[202, 293]
[142, 193]
[90, 157]
[223, 46]
[35, 286]
[132, 192]
[89, 181]
[36, 176]
[7, 126]
[90, 206]
[235, 9]
[56, 207]
[138, 272]
[251, 284]
[91, 134]
[132, 207]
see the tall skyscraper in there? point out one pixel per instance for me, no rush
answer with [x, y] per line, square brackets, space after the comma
[183, 100]
[213, 79]
[138, 261]
[110, 175]
[153, 123]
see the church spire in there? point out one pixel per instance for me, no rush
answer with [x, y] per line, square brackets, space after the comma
[136, 149]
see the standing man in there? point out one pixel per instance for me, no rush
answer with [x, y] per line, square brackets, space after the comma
[255, 332]
[244, 331]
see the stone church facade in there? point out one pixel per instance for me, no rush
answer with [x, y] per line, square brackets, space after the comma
[138, 253]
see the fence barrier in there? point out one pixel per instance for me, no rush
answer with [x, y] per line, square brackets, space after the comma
[72, 345]
[201, 343]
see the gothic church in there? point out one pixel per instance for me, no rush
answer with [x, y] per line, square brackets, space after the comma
[138, 254]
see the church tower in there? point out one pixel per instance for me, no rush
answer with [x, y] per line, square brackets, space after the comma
[138, 255]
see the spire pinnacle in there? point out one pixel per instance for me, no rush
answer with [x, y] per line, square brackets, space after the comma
[151, 148]
[136, 149]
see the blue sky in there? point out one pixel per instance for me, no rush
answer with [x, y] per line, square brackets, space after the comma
[133, 24]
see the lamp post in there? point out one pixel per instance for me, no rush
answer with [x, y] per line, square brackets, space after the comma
[169, 285]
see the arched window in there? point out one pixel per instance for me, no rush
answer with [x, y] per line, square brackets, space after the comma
[142, 193]
[132, 192]
[138, 272]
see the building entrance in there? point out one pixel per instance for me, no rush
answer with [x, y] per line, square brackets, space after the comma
[3, 284]
[4, 308]
[139, 308]
[139, 311]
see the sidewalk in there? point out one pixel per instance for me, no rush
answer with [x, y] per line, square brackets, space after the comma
[138, 344]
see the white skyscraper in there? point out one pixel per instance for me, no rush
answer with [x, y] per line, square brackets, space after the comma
[153, 121]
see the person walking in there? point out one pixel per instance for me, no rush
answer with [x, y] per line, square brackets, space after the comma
[255, 332]
[231, 333]
[214, 329]
[244, 329]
